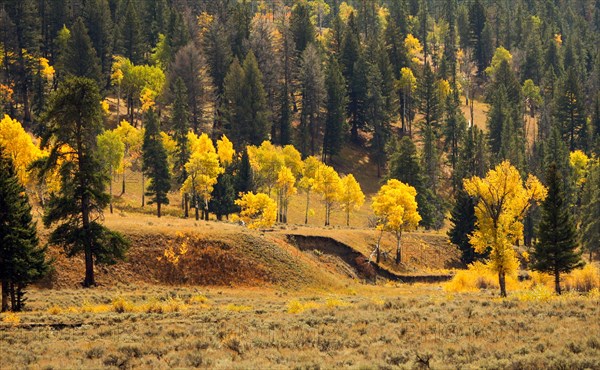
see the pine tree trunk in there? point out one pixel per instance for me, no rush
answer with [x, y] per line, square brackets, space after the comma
[123, 185]
[13, 297]
[158, 209]
[4, 296]
[557, 282]
[502, 282]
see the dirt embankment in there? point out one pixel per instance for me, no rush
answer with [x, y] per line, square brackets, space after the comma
[353, 263]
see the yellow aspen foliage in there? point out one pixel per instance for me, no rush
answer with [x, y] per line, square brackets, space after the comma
[307, 182]
[201, 143]
[147, 98]
[407, 81]
[579, 164]
[395, 206]
[258, 210]
[203, 169]
[292, 159]
[500, 55]
[266, 161]
[352, 197]
[117, 75]
[345, 10]
[105, 106]
[204, 22]
[133, 139]
[443, 89]
[413, 47]
[225, 150]
[46, 69]
[19, 145]
[502, 202]
[329, 185]
[170, 146]
[558, 38]
[285, 186]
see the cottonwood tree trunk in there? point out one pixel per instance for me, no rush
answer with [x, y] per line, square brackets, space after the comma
[307, 205]
[186, 213]
[398, 249]
[502, 282]
[111, 190]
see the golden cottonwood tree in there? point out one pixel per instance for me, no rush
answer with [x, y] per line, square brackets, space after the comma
[502, 202]
[132, 138]
[329, 185]
[111, 151]
[225, 151]
[285, 186]
[18, 144]
[307, 181]
[266, 161]
[258, 210]
[203, 169]
[396, 209]
[352, 197]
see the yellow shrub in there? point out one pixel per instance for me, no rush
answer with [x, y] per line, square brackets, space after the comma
[54, 310]
[478, 276]
[90, 308]
[583, 280]
[198, 299]
[295, 306]
[539, 293]
[541, 278]
[174, 305]
[334, 302]
[11, 318]
[121, 305]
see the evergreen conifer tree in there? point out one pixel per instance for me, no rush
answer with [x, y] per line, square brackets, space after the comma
[80, 58]
[155, 165]
[336, 110]
[556, 249]
[22, 260]
[74, 118]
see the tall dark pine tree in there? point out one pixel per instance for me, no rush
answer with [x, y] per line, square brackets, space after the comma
[377, 117]
[556, 249]
[132, 37]
[313, 97]
[463, 224]
[155, 165]
[190, 66]
[477, 22]
[245, 110]
[180, 125]
[99, 23]
[336, 110]
[80, 58]
[22, 261]
[590, 212]
[223, 196]
[301, 26]
[74, 118]
[570, 111]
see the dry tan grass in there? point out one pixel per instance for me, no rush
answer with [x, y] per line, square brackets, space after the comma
[358, 327]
